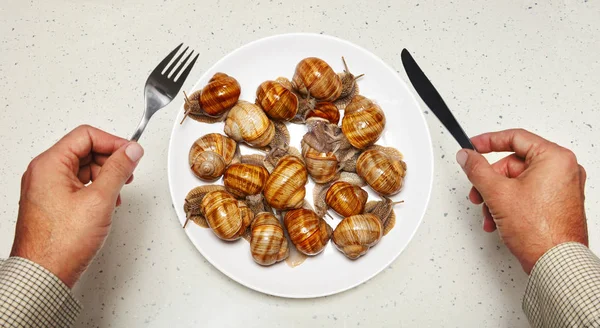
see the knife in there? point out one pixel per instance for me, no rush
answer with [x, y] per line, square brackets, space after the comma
[433, 100]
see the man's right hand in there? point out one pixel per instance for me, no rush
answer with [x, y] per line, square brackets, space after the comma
[534, 197]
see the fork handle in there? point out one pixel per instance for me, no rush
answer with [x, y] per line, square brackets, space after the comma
[140, 128]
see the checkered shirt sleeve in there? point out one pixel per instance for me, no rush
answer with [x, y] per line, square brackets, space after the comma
[31, 296]
[564, 288]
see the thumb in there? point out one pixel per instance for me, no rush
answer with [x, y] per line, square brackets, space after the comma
[481, 174]
[118, 168]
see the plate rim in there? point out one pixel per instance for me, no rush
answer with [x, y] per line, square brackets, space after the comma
[392, 259]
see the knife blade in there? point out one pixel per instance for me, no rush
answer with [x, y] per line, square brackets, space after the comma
[433, 100]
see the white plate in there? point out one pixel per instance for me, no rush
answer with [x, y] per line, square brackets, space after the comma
[330, 272]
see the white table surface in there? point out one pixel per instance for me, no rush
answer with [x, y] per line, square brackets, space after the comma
[498, 64]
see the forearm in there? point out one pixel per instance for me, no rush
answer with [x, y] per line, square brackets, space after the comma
[31, 296]
[564, 288]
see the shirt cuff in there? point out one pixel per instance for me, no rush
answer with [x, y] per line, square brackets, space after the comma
[31, 296]
[564, 288]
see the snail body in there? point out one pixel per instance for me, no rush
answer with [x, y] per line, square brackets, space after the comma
[308, 232]
[212, 102]
[210, 155]
[381, 170]
[227, 217]
[314, 77]
[268, 243]
[243, 180]
[285, 188]
[346, 199]
[248, 123]
[278, 102]
[355, 234]
[363, 122]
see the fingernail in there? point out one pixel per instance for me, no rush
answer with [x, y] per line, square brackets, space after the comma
[461, 158]
[134, 151]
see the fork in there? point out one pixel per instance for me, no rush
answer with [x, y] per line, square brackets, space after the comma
[163, 85]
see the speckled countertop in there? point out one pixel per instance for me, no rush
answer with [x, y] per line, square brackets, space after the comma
[498, 64]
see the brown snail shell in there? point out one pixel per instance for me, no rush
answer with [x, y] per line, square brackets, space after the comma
[210, 155]
[327, 111]
[355, 234]
[381, 170]
[315, 77]
[322, 167]
[285, 188]
[224, 216]
[308, 232]
[346, 199]
[191, 207]
[243, 180]
[268, 243]
[248, 123]
[363, 122]
[219, 95]
[279, 102]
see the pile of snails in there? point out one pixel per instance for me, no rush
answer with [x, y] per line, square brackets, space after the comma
[262, 198]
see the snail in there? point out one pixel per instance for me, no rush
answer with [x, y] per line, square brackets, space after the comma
[308, 232]
[268, 244]
[383, 169]
[363, 122]
[325, 110]
[212, 102]
[191, 207]
[248, 123]
[226, 216]
[322, 166]
[384, 210]
[314, 77]
[355, 234]
[243, 180]
[285, 187]
[349, 87]
[346, 199]
[211, 154]
[279, 102]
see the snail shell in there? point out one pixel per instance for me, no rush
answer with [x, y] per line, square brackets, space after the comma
[327, 111]
[363, 122]
[382, 171]
[193, 199]
[243, 180]
[219, 95]
[346, 199]
[285, 187]
[279, 102]
[315, 77]
[248, 123]
[268, 243]
[322, 167]
[308, 232]
[355, 234]
[210, 155]
[224, 216]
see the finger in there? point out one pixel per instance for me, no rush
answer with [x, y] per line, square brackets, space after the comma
[85, 174]
[510, 166]
[582, 176]
[129, 180]
[118, 203]
[479, 171]
[118, 168]
[475, 196]
[524, 143]
[489, 225]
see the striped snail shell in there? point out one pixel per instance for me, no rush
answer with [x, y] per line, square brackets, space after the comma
[268, 244]
[211, 154]
[355, 234]
[315, 77]
[219, 95]
[382, 170]
[227, 217]
[322, 166]
[327, 111]
[279, 102]
[346, 199]
[363, 122]
[308, 232]
[248, 123]
[285, 188]
[243, 180]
